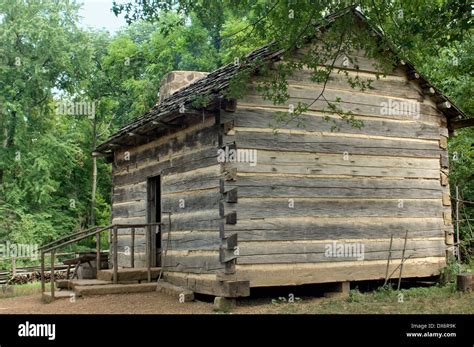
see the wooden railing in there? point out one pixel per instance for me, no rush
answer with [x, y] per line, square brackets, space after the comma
[7, 275]
[96, 231]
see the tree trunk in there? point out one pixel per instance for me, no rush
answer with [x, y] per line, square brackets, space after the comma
[9, 131]
[94, 171]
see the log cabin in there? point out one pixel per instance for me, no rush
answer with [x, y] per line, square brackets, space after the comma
[242, 206]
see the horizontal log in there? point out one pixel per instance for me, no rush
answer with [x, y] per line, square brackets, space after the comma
[427, 113]
[130, 209]
[206, 220]
[315, 228]
[297, 274]
[394, 86]
[321, 258]
[128, 220]
[355, 97]
[352, 62]
[208, 284]
[199, 179]
[462, 123]
[194, 160]
[191, 201]
[336, 144]
[301, 186]
[251, 117]
[280, 207]
[203, 178]
[192, 263]
[129, 193]
[196, 240]
[275, 248]
[339, 164]
[201, 134]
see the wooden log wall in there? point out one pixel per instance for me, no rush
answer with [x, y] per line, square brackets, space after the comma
[186, 159]
[312, 186]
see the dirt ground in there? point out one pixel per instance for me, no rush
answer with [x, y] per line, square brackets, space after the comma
[137, 303]
[424, 300]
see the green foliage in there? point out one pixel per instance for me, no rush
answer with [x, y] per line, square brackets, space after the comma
[355, 295]
[448, 273]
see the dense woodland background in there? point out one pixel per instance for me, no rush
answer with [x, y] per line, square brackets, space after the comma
[47, 184]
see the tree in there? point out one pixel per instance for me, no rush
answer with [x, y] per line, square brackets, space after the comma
[42, 53]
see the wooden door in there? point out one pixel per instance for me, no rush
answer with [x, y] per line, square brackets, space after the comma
[154, 216]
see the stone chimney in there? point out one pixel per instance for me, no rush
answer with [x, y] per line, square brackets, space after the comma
[176, 80]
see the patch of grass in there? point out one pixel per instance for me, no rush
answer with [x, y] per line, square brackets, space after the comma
[385, 300]
[21, 290]
[448, 273]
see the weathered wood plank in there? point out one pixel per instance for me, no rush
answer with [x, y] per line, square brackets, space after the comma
[395, 86]
[129, 193]
[321, 258]
[355, 61]
[344, 159]
[194, 160]
[306, 142]
[276, 248]
[280, 207]
[426, 114]
[201, 134]
[302, 192]
[208, 284]
[256, 180]
[335, 164]
[314, 228]
[191, 201]
[203, 220]
[196, 240]
[193, 263]
[204, 178]
[297, 274]
[355, 97]
[250, 117]
[301, 186]
[206, 220]
[130, 209]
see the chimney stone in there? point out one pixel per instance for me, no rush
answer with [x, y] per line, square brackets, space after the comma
[176, 80]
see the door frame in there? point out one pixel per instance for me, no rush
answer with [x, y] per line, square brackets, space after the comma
[153, 215]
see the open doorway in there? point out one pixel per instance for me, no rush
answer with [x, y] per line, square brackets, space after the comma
[154, 216]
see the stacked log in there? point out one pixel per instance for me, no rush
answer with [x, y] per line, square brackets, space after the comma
[28, 277]
[4, 277]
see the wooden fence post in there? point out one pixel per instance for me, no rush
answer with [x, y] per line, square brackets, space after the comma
[114, 246]
[148, 251]
[42, 274]
[52, 274]
[13, 266]
[132, 250]
[97, 257]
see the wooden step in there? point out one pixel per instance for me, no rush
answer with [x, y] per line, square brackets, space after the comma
[79, 283]
[115, 289]
[128, 274]
[63, 284]
[61, 294]
[71, 284]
